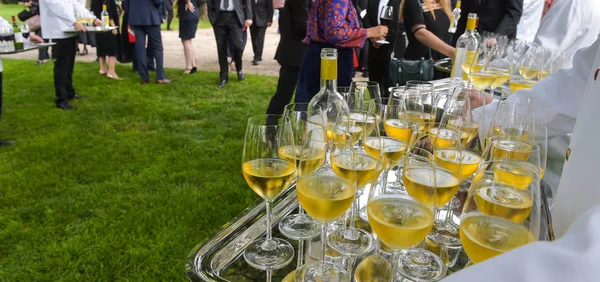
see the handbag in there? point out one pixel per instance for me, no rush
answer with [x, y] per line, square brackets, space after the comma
[33, 23]
[24, 15]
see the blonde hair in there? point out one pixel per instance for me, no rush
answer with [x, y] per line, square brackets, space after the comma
[444, 3]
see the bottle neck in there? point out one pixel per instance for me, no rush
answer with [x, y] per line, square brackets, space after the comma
[329, 74]
[329, 84]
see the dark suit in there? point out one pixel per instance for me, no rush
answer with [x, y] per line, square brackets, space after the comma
[263, 14]
[379, 58]
[292, 25]
[145, 17]
[497, 16]
[227, 25]
[169, 9]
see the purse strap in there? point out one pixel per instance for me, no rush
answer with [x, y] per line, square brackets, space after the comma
[396, 38]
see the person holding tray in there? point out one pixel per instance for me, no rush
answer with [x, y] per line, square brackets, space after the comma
[57, 16]
[107, 45]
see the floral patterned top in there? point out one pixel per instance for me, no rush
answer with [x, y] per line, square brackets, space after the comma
[334, 22]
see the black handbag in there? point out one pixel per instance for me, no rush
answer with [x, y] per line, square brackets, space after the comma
[25, 15]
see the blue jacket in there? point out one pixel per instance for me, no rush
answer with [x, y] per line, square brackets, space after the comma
[144, 12]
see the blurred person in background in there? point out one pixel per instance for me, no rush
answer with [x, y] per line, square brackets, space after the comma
[169, 8]
[107, 47]
[426, 24]
[292, 23]
[379, 55]
[331, 24]
[263, 18]
[495, 16]
[34, 11]
[56, 17]
[189, 15]
[530, 19]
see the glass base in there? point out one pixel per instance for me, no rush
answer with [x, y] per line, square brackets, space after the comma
[299, 227]
[264, 255]
[383, 41]
[421, 265]
[445, 233]
[351, 241]
[321, 272]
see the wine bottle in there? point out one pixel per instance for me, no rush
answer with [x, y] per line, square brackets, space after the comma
[105, 17]
[456, 13]
[17, 35]
[466, 48]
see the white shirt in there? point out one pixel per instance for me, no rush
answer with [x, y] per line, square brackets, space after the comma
[56, 16]
[530, 19]
[382, 5]
[3, 23]
[574, 256]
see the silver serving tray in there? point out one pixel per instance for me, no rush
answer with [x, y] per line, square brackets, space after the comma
[93, 29]
[28, 48]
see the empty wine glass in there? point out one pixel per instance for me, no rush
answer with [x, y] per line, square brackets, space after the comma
[360, 93]
[386, 18]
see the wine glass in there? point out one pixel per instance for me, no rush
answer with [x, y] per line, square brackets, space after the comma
[524, 74]
[497, 216]
[310, 142]
[25, 31]
[268, 174]
[402, 221]
[505, 109]
[479, 75]
[365, 169]
[360, 93]
[386, 18]
[417, 109]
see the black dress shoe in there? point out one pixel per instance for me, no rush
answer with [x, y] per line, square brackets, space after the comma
[77, 96]
[193, 70]
[6, 143]
[65, 106]
[241, 76]
[255, 62]
[222, 84]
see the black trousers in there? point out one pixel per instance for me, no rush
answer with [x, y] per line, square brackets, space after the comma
[288, 77]
[169, 18]
[65, 50]
[141, 54]
[228, 28]
[258, 40]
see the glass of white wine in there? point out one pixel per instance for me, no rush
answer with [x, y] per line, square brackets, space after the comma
[500, 215]
[360, 93]
[525, 73]
[268, 173]
[416, 108]
[480, 76]
[307, 126]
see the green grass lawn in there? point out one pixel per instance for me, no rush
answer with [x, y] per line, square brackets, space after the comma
[9, 10]
[124, 187]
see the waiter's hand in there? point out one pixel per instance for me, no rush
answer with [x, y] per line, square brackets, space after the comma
[374, 43]
[190, 7]
[79, 27]
[378, 32]
[248, 23]
[477, 99]
[35, 39]
[269, 24]
[97, 22]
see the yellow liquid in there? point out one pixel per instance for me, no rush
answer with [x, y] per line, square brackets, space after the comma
[374, 268]
[393, 149]
[366, 123]
[398, 222]
[345, 133]
[328, 69]
[515, 174]
[503, 201]
[467, 68]
[312, 158]
[510, 149]
[398, 129]
[446, 137]
[419, 183]
[481, 81]
[516, 86]
[542, 74]
[268, 177]
[324, 197]
[528, 73]
[502, 77]
[290, 277]
[364, 165]
[463, 163]
[424, 120]
[484, 237]
[469, 127]
[515, 134]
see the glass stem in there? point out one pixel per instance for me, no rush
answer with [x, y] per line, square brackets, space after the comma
[355, 204]
[269, 231]
[449, 212]
[269, 275]
[395, 259]
[300, 209]
[323, 241]
[300, 254]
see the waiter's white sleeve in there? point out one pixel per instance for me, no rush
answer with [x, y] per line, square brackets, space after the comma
[574, 257]
[58, 8]
[80, 8]
[556, 99]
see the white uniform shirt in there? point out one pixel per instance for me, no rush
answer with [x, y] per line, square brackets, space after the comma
[574, 256]
[530, 19]
[56, 16]
[3, 23]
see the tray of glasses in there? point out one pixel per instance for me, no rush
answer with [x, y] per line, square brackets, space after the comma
[27, 48]
[93, 29]
[220, 257]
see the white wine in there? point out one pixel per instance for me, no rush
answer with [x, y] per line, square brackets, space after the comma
[447, 137]
[519, 85]
[362, 166]
[365, 122]
[502, 77]
[399, 222]
[393, 149]
[424, 120]
[528, 72]
[344, 133]
[484, 237]
[482, 81]
[269, 177]
[515, 174]
[374, 268]
[307, 160]
[503, 201]
[420, 184]
[471, 128]
[398, 129]
[466, 48]
[467, 68]
[462, 163]
[290, 277]
[510, 149]
[325, 197]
